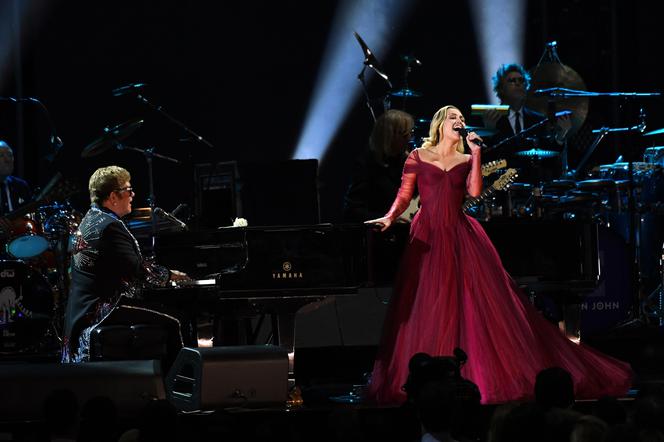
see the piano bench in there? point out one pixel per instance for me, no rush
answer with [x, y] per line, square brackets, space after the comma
[128, 342]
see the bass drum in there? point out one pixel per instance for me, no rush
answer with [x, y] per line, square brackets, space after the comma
[26, 308]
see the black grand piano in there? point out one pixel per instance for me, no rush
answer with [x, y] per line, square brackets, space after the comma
[261, 271]
[274, 271]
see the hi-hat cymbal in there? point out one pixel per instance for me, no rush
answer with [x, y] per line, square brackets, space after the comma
[111, 136]
[406, 93]
[654, 132]
[558, 75]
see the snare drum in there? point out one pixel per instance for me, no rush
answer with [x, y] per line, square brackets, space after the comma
[27, 240]
[26, 307]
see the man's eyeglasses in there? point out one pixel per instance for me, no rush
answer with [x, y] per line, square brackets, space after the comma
[519, 80]
[125, 189]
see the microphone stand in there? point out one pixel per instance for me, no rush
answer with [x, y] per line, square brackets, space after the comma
[360, 77]
[174, 120]
[149, 154]
[370, 61]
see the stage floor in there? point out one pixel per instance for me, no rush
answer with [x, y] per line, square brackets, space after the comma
[327, 377]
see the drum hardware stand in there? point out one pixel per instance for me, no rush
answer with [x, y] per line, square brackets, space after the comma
[410, 61]
[637, 314]
[149, 154]
[61, 286]
[656, 297]
[371, 62]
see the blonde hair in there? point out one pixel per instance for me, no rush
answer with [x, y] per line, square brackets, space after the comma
[106, 180]
[434, 130]
[391, 124]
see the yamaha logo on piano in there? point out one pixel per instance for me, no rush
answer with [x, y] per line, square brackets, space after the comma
[287, 272]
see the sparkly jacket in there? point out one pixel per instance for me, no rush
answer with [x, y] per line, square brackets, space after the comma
[107, 264]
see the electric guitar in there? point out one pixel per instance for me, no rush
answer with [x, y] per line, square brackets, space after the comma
[501, 183]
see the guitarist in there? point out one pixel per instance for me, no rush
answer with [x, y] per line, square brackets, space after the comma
[14, 192]
[376, 175]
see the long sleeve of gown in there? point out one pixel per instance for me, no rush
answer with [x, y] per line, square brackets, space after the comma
[405, 193]
[474, 180]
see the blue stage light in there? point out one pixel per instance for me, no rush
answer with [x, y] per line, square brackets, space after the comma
[337, 86]
[500, 27]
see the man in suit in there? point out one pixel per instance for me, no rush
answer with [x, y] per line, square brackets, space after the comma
[511, 84]
[14, 192]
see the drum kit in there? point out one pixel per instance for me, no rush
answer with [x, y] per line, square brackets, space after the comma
[33, 276]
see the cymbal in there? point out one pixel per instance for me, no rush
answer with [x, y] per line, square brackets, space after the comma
[111, 136]
[406, 93]
[654, 132]
[537, 153]
[558, 75]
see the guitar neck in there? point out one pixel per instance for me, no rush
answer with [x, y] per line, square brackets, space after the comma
[474, 201]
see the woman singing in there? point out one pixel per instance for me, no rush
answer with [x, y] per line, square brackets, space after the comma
[452, 290]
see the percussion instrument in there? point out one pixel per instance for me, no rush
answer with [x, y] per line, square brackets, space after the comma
[26, 307]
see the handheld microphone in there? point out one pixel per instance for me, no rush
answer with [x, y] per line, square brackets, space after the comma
[464, 133]
[164, 214]
[133, 87]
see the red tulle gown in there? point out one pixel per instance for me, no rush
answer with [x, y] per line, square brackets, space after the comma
[452, 291]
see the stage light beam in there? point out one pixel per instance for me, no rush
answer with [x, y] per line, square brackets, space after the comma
[500, 28]
[337, 85]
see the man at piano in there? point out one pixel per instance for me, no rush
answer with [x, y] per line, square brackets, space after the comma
[108, 270]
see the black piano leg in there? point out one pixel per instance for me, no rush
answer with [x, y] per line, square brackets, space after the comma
[231, 331]
[283, 329]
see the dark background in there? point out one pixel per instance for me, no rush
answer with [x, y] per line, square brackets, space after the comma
[241, 74]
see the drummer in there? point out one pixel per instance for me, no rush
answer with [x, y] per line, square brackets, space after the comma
[511, 83]
[14, 192]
